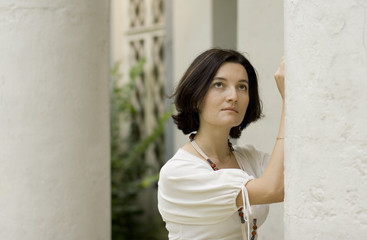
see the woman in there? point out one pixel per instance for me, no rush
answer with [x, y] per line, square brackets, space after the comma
[206, 189]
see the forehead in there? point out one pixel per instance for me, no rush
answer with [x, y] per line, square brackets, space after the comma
[231, 69]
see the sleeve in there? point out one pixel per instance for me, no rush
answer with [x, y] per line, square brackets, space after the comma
[192, 193]
[257, 159]
[262, 158]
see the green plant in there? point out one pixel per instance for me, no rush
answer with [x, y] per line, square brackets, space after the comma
[130, 174]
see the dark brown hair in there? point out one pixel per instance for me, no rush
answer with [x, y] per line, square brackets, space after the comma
[196, 81]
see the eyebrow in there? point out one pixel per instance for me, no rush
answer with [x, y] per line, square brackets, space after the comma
[224, 79]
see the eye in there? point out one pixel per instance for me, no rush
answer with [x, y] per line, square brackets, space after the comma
[218, 84]
[242, 87]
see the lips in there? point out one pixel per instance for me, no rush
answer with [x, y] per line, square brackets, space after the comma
[230, 109]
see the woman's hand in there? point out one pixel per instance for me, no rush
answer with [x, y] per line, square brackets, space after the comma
[279, 78]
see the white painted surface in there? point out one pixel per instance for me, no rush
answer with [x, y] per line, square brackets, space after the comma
[54, 135]
[326, 147]
[119, 21]
[260, 35]
[192, 34]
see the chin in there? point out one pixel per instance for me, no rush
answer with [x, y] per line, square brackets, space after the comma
[232, 124]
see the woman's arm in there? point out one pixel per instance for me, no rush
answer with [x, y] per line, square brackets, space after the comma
[269, 187]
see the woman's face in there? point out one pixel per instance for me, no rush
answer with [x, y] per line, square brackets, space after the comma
[225, 103]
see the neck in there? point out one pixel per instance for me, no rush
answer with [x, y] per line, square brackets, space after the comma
[214, 144]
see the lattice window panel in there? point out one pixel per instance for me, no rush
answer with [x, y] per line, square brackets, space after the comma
[158, 12]
[137, 14]
[138, 100]
[145, 15]
[158, 90]
[158, 76]
[145, 39]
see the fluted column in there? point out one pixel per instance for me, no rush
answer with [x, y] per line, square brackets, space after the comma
[54, 120]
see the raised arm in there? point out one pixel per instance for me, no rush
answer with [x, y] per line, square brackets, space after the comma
[269, 187]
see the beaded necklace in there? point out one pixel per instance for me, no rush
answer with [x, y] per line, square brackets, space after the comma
[214, 167]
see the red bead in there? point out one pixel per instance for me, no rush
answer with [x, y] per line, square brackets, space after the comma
[253, 233]
[240, 209]
[213, 165]
[254, 227]
[240, 213]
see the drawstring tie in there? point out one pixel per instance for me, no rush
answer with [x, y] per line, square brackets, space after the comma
[248, 212]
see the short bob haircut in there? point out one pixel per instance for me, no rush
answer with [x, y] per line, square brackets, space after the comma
[196, 81]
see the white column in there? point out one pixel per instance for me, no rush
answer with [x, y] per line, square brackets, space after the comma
[54, 120]
[326, 147]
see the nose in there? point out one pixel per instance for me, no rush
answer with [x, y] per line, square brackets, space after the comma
[232, 94]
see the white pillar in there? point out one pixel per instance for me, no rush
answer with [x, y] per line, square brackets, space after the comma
[54, 120]
[326, 102]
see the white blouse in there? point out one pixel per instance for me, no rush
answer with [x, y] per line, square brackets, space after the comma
[198, 203]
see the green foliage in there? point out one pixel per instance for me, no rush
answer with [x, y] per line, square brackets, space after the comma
[130, 174]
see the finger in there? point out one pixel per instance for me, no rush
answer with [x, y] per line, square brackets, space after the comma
[280, 70]
[281, 65]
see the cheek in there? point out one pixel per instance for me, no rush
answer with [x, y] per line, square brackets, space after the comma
[208, 102]
[245, 102]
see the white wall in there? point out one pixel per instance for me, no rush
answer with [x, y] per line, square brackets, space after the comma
[326, 147]
[54, 134]
[192, 34]
[260, 35]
